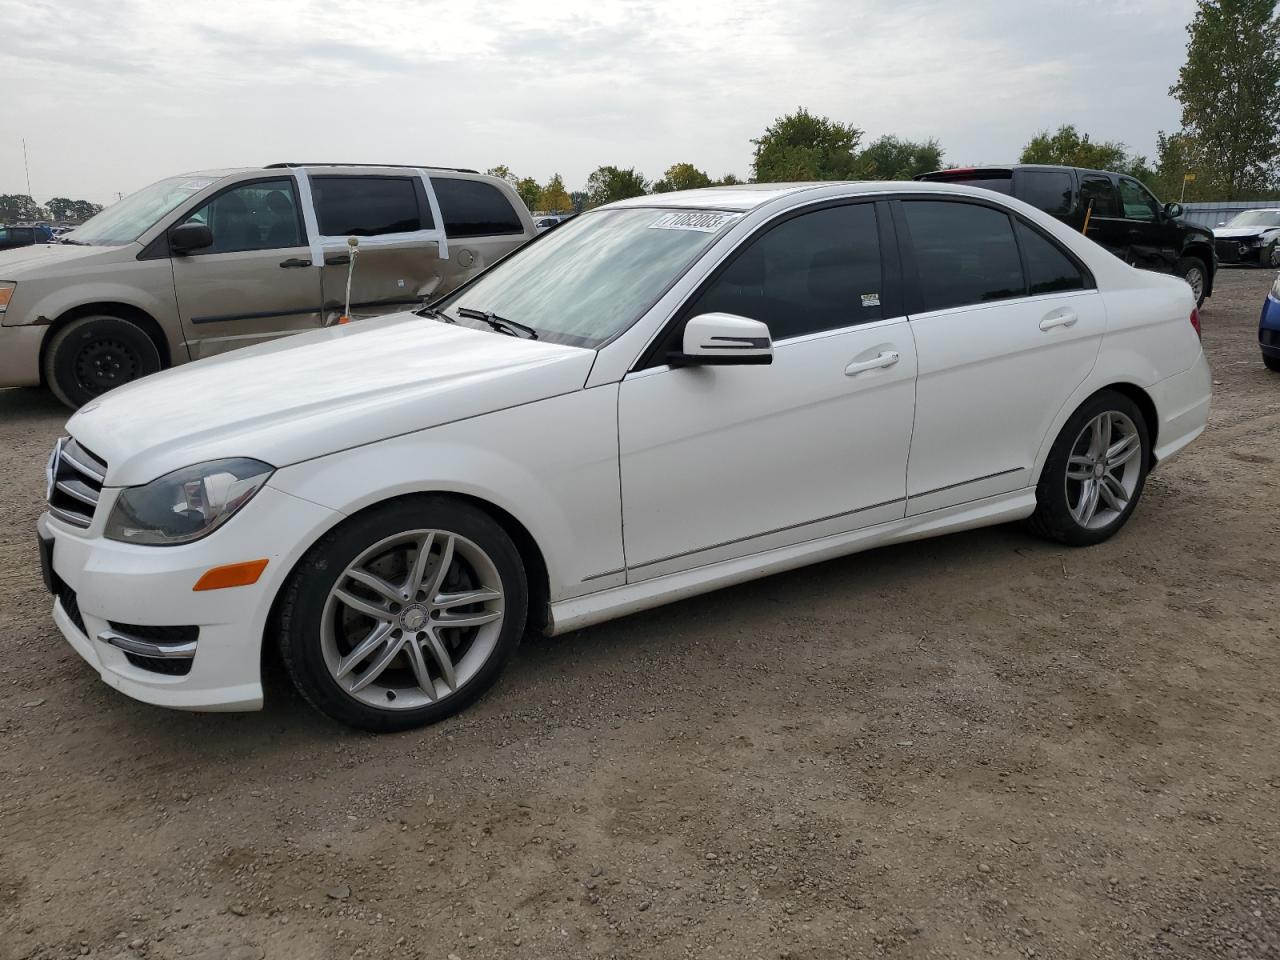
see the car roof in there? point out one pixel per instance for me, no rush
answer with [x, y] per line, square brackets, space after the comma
[741, 198]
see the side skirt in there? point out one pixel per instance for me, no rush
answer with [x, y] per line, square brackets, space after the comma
[578, 612]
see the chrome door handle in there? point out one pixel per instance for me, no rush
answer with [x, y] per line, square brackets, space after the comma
[886, 359]
[1064, 318]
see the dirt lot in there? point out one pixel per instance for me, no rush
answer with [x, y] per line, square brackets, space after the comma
[980, 746]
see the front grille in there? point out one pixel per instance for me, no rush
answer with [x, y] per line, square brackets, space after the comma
[1228, 250]
[75, 483]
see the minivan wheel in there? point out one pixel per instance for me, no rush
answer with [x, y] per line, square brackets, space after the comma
[1095, 472]
[1192, 270]
[94, 354]
[404, 615]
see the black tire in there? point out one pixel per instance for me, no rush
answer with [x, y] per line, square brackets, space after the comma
[305, 596]
[1053, 518]
[1188, 268]
[1271, 363]
[94, 354]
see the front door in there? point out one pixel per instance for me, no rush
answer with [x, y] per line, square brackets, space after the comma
[724, 461]
[1008, 324]
[257, 281]
[1152, 243]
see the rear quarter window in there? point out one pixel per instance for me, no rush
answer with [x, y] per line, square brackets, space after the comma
[472, 208]
[1047, 190]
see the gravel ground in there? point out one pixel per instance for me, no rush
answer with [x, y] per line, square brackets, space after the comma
[978, 746]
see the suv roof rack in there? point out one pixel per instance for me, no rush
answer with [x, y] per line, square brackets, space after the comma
[398, 166]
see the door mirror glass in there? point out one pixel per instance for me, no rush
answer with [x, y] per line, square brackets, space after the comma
[190, 236]
[725, 339]
[1173, 210]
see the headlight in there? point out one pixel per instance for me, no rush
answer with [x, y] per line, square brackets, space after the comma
[6, 294]
[187, 504]
[1275, 287]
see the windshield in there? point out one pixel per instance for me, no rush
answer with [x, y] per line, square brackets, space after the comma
[592, 277]
[125, 221]
[1256, 218]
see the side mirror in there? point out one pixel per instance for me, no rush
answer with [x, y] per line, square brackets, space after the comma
[1173, 210]
[723, 339]
[190, 236]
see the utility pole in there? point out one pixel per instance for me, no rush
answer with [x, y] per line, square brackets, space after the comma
[26, 166]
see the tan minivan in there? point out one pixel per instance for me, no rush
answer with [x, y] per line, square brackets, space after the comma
[206, 262]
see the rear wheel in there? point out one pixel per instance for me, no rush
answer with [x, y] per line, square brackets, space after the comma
[1095, 472]
[94, 354]
[404, 615]
[1192, 270]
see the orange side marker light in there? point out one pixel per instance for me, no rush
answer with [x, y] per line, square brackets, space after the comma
[231, 575]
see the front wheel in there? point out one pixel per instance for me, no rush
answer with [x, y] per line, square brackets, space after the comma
[94, 354]
[403, 615]
[1192, 270]
[1095, 472]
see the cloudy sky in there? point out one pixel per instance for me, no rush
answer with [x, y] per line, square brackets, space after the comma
[111, 96]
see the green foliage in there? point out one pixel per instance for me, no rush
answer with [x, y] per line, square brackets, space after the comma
[607, 184]
[578, 200]
[554, 198]
[529, 192]
[800, 146]
[728, 180]
[16, 207]
[1069, 147]
[1229, 89]
[892, 158]
[681, 176]
[503, 172]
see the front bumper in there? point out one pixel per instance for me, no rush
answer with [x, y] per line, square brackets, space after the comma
[20, 355]
[1232, 251]
[98, 582]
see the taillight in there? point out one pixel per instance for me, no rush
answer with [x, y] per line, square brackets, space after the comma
[1195, 322]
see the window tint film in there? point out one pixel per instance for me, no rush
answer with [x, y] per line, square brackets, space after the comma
[1138, 204]
[471, 208]
[1048, 190]
[365, 206]
[262, 215]
[1049, 270]
[1101, 192]
[817, 271]
[965, 253]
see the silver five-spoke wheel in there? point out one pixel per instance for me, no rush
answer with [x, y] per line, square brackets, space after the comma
[412, 619]
[1103, 469]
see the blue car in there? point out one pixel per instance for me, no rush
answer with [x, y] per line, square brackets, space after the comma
[1269, 328]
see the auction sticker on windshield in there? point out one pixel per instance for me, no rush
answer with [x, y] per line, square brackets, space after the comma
[704, 221]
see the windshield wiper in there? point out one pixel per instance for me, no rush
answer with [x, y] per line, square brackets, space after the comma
[501, 324]
[435, 314]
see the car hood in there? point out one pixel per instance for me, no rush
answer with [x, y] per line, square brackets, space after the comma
[20, 263]
[1238, 233]
[320, 392]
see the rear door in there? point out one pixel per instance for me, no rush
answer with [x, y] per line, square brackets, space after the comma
[257, 281]
[396, 267]
[481, 222]
[1007, 324]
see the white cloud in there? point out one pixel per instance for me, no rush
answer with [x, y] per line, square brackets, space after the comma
[111, 97]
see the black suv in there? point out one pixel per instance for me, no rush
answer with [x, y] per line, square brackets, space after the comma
[1121, 213]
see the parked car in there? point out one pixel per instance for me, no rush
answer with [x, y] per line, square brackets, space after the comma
[207, 262]
[1250, 237]
[1122, 215]
[546, 223]
[667, 395]
[1269, 328]
[11, 237]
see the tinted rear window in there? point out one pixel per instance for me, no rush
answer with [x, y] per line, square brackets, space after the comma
[471, 208]
[366, 206]
[1048, 190]
[965, 253]
[1049, 270]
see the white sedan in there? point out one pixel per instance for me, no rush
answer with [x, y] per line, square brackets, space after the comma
[664, 396]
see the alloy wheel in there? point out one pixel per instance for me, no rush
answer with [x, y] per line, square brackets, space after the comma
[1103, 469]
[412, 619]
[1195, 279]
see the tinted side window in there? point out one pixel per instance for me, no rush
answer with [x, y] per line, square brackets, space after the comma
[1098, 189]
[471, 208]
[365, 206]
[1049, 270]
[965, 253]
[1048, 190]
[1138, 204]
[817, 271]
[262, 215]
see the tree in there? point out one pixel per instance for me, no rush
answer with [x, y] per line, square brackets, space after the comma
[18, 207]
[82, 210]
[578, 199]
[607, 184]
[728, 180]
[59, 208]
[1069, 147]
[890, 158]
[503, 172]
[555, 199]
[681, 176]
[529, 192]
[800, 146]
[1229, 89]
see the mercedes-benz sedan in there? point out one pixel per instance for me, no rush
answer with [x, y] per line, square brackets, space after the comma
[661, 397]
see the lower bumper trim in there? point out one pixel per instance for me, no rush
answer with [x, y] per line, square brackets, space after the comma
[145, 648]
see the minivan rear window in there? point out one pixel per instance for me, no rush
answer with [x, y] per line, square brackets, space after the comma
[365, 206]
[471, 208]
